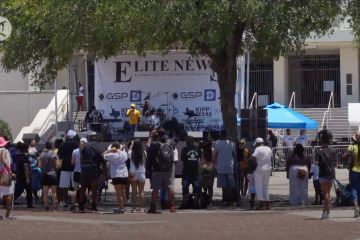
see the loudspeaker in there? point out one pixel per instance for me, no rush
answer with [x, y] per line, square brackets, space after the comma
[215, 135]
[28, 137]
[253, 113]
[253, 128]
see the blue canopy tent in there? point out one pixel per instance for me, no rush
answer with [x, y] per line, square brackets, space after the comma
[280, 116]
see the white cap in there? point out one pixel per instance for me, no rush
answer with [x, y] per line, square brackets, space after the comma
[258, 141]
[84, 140]
[71, 134]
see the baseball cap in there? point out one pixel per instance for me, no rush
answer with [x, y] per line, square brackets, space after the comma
[71, 134]
[132, 105]
[258, 141]
[84, 140]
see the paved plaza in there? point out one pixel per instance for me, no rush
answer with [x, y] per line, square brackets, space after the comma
[282, 222]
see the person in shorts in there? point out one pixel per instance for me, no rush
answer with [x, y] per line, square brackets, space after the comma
[47, 161]
[67, 168]
[76, 161]
[92, 167]
[160, 178]
[117, 157]
[326, 156]
[137, 157]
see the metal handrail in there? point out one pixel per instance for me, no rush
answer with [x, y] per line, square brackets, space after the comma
[327, 113]
[254, 99]
[292, 99]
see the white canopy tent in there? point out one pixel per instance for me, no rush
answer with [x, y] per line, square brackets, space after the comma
[354, 114]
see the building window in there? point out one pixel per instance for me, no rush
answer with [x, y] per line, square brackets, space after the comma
[349, 84]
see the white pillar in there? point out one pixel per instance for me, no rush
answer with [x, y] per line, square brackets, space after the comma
[281, 89]
[349, 64]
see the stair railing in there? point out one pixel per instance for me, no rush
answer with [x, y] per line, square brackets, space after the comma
[254, 99]
[327, 113]
[292, 100]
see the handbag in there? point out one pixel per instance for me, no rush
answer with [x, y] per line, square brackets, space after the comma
[301, 173]
[5, 179]
[5, 175]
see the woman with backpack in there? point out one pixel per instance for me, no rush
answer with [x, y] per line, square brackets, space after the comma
[47, 162]
[327, 162]
[137, 157]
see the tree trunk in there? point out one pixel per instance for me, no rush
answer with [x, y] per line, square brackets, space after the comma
[227, 85]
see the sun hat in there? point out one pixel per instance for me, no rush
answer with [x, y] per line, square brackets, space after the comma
[71, 134]
[3, 142]
[258, 140]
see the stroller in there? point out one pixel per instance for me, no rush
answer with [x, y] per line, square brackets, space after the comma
[343, 195]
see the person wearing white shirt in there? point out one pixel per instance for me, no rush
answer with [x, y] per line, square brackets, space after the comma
[76, 160]
[288, 140]
[117, 157]
[263, 156]
[314, 172]
[302, 138]
[80, 97]
[288, 143]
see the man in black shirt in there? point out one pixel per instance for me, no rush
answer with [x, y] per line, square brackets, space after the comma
[67, 168]
[92, 167]
[190, 156]
[23, 180]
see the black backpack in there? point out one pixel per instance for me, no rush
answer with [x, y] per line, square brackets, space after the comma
[165, 157]
[327, 163]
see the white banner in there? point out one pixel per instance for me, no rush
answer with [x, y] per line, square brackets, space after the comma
[174, 83]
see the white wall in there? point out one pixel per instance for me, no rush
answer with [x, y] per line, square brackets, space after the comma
[19, 102]
[12, 81]
[349, 63]
[20, 108]
[281, 81]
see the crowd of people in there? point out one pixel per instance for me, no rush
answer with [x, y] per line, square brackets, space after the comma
[71, 172]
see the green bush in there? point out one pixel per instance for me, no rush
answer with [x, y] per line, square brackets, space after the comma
[5, 129]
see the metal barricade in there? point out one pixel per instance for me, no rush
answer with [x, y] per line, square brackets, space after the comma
[281, 154]
[340, 150]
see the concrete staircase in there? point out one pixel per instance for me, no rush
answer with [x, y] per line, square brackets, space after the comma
[337, 121]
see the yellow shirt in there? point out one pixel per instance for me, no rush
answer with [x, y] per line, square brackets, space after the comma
[355, 149]
[134, 116]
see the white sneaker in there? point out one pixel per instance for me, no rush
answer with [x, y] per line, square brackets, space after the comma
[328, 215]
[324, 216]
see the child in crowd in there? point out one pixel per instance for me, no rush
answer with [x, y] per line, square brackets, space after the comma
[314, 173]
[252, 190]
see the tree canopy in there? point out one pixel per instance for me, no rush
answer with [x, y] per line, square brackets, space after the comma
[48, 32]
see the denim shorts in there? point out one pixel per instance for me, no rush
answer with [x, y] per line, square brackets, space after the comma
[325, 180]
[138, 176]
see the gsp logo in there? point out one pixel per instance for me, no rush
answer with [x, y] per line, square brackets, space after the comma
[191, 95]
[209, 94]
[135, 96]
